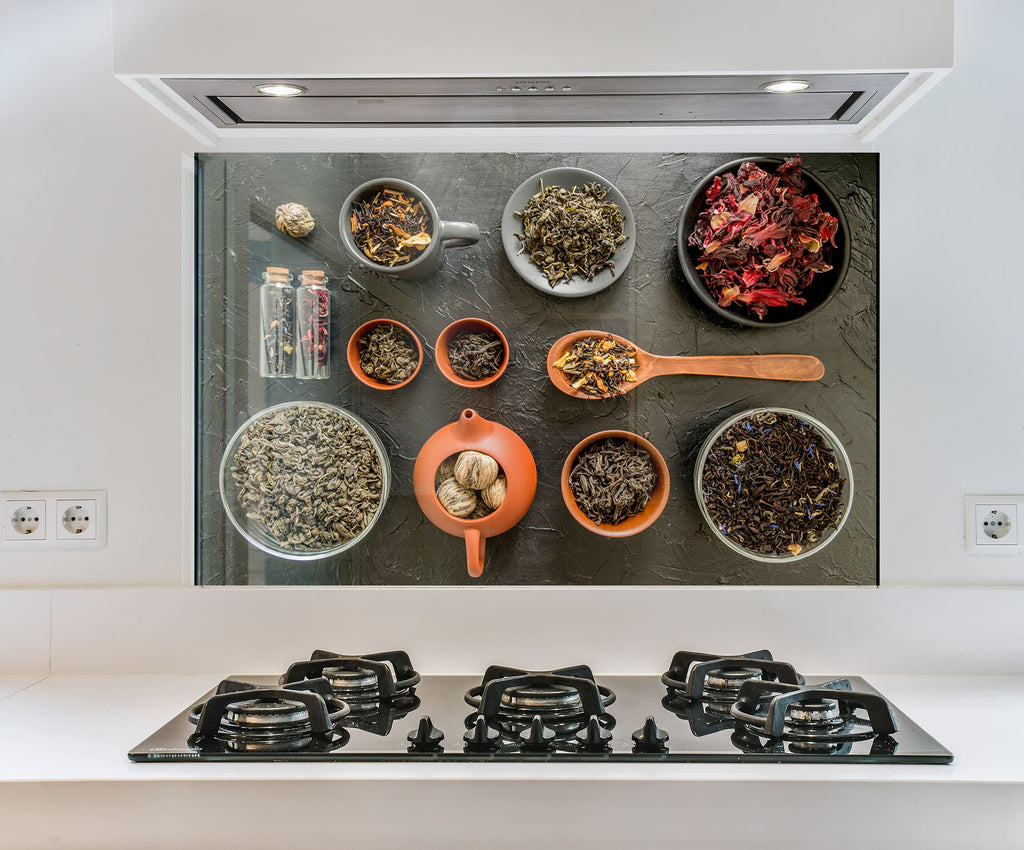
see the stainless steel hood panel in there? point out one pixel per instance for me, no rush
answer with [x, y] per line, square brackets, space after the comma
[686, 64]
[589, 101]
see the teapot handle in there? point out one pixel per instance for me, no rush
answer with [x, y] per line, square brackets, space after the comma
[475, 542]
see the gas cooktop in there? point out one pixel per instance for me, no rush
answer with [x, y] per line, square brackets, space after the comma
[704, 708]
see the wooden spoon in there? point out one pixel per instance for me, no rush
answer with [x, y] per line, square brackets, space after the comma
[771, 367]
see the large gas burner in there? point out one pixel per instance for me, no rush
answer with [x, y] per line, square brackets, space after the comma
[243, 717]
[564, 700]
[365, 681]
[718, 678]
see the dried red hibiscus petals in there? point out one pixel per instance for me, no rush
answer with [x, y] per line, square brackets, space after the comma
[762, 237]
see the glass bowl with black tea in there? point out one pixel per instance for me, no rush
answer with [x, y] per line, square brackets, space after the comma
[774, 484]
[304, 480]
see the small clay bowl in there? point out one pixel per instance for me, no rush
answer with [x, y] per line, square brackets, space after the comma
[353, 353]
[635, 524]
[476, 326]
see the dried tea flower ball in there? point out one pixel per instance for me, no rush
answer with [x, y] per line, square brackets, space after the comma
[457, 500]
[445, 470]
[294, 220]
[494, 493]
[476, 470]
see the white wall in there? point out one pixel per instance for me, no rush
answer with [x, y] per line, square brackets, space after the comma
[90, 221]
[952, 396]
[92, 389]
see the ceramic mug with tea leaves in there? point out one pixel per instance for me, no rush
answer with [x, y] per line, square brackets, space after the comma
[392, 227]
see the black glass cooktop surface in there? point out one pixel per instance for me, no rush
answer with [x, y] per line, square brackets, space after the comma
[618, 718]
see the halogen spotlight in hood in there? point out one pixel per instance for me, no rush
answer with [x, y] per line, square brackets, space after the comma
[786, 86]
[280, 89]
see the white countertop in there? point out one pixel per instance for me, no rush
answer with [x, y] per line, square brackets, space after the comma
[65, 780]
[12, 684]
[102, 717]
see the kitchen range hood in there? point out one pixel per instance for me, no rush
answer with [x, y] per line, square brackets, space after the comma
[458, 64]
[549, 101]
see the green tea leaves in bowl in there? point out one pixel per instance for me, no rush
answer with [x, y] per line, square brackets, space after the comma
[571, 232]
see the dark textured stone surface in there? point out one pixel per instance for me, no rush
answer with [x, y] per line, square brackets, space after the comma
[650, 305]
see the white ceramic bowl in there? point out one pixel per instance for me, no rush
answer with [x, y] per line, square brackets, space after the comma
[511, 224]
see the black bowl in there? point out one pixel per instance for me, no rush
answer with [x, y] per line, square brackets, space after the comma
[822, 288]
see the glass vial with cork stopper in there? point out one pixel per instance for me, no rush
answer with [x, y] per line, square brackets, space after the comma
[313, 314]
[277, 324]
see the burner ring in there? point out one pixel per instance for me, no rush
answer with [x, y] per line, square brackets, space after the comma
[474, 695]
[345, 680]
[266, 714]
[823, 712]
[542, 698]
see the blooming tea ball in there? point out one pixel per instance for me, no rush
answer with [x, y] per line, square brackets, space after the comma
[476, 470]
[445, 470]
[494, 493]
[294, 220]
[457, 500]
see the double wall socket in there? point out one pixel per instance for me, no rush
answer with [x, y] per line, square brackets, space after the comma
[54, 519]
[992, 525]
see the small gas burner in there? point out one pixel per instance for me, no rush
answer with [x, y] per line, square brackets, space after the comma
[364, 681]
[243, 717]
[717, 679]
[563, 699]
[813, 719]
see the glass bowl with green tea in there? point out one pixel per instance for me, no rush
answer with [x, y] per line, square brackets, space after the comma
[384, 354]
[763, 243]
[774, 484]
[568, 232]
[472, 353]
[304, 480]
[615, 483]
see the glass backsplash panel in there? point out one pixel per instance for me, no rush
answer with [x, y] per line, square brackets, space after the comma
[651, 305]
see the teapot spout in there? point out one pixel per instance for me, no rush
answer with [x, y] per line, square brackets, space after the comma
[470, 425]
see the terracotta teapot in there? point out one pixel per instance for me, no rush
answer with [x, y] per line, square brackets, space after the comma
[472, 431]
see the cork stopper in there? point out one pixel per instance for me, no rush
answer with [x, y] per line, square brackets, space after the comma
[313, 277]
[275, 274]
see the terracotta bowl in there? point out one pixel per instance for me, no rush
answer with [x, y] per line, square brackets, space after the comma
[476, 326]
[353, 353]
[635, 524]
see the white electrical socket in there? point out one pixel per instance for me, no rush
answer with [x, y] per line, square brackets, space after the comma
[24, 519]
[76, 519]
[991, 525]
[54, 519]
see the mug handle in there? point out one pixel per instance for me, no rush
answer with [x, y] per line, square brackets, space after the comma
[459, 234]
[475, 542]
